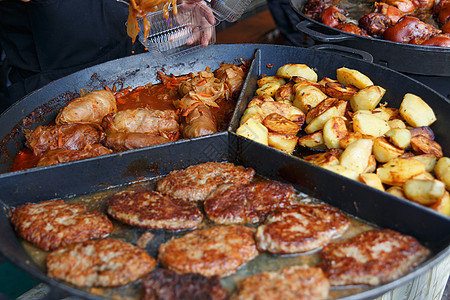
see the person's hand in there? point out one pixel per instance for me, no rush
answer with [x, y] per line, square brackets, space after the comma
[203, 22]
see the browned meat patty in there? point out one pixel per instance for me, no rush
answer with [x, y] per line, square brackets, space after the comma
[58, 156]
[150, 209]
[300, 228]
[65, 137]
[212, 251]
[373, 257]
[52, 224]
[164, 284]
[291, 283]
[247, 203]
[106, 262]
[195, 183]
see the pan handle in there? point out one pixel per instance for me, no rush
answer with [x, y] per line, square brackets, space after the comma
[306, 27]
[346, 51]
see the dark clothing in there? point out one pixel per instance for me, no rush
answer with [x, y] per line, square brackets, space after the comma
[286, 20]
[47, 39]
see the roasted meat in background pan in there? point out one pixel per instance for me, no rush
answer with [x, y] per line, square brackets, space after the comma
[186, 106]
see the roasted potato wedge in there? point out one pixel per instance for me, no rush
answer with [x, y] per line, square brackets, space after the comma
[371, 179]
[324, 159]
[279, 124]
[333, 131]
[424, 176]
[353, 77]
[442, 171]
[442, 205]
[268, 79]
[283, 142]
[297, 70]
[426, 192]
[340, 91]
[259, 100]
[396, 191]
[356, 156]
[252, 112]
[290, 112]
[344, 171]
[325, 80]
[400, 138]
[423, 145]
[396, 124]
[416, 112]
[320, 108]
[353, 136]
[428, 160]
[285, 93]
[398, 170]
[385, 151]
[386, 113]
[255, 131]
[308, 97]
[319, 122]
[423, 130]
[367, 98]
[269, 89]
[313, 141]
[369, 124]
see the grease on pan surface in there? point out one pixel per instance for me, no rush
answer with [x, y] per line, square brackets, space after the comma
[53, 224]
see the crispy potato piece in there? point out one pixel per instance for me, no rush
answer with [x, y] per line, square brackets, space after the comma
[367, 98]
[353, 77]
[353, 136]
[290, 112]
[283, 142]
[308, 97]
[268, 79]
[279, 124]
[369, 124]
[285, 93]
[372, 165]
[429, 160]
[396, 124]
[423, 130]
[259, 100]
[400, 138]
[300, 82]
[371, 179]
[442, 205]
[324, 159]
[385, 151]
[344, 171]
[320, 108]
[319, 122]
[396, 191]
[325, 80]
[416, 112]
[269, 89]
[424, 176]
[297, 70]
[340, 91]
[356, 156]
[398, 170]
[425, 192]
[313, 141]
[252, 112]
[333, 131]
[442, 171]
[386, 113]
[423, 145]
[255, 131]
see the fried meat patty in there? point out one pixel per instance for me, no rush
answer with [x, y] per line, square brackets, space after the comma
[196, 182]
[300, 228]
[106, 262]
[150, 209]
[52, 224]
[291, 283]
[247, 203]
[372, 257]
[162, 284]
[212, 251]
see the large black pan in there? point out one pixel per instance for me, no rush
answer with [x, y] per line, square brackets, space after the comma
[412, 59]
[89, 175]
